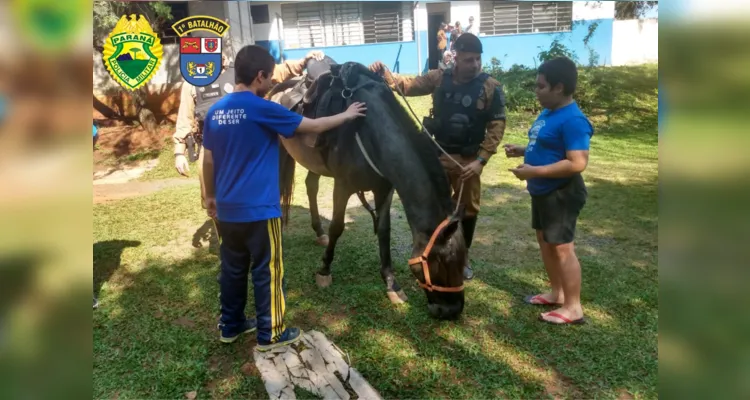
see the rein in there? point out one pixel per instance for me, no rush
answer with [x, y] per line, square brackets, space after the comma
[347, 94]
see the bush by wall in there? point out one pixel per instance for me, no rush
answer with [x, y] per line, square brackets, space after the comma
[601, 91]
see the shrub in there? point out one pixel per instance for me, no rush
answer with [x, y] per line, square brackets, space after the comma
[601, 91]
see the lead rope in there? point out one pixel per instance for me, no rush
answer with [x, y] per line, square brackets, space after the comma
[424, 129]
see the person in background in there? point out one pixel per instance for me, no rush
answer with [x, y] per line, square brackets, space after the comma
[467, 120]
[447, 61]
[241, 182]
[455, 34]
[554, 158]
[442, 38]
[470, 28]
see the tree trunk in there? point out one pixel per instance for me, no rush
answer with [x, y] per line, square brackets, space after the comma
[145, 116]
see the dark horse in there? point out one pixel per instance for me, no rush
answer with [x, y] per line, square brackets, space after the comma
[379, 153]
[290, 93]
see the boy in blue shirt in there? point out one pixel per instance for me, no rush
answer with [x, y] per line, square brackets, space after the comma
[555, 157]
[241, 183]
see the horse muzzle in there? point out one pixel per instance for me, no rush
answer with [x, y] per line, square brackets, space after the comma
[446, 311]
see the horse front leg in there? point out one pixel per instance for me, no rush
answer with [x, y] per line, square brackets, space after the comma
[312, 182]
[340, 198]
[383, 199]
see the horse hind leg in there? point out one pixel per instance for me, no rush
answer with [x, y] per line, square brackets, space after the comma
[383, 199]
[340, 199]
[312, 182]
[366, 205]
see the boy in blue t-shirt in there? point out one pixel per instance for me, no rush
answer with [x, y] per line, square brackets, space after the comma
[241, 183]
[555, 157]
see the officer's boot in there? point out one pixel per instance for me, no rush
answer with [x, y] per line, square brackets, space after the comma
[469, 224]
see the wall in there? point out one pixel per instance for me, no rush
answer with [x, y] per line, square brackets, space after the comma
[462, 10]
[523, 49]
[635, 41]
[400, 57]
[267, 35]
[420, 27]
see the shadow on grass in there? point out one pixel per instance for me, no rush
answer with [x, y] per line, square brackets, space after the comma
[158, 338]
[107, 255]
[207, 233]
[616, 241]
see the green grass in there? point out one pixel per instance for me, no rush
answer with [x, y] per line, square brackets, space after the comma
[155, 336]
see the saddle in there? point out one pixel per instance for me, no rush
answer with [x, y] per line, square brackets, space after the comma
[304, 92]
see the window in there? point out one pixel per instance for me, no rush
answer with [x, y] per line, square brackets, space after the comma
[386, 21]
[322, 24]
[513, 17]
[260, 14]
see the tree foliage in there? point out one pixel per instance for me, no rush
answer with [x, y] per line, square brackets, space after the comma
[633, 9]
[107, 13]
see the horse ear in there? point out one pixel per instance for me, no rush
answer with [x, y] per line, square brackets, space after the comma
[452, 226]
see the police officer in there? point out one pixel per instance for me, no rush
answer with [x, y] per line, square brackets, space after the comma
[467, 120]
[194, 105]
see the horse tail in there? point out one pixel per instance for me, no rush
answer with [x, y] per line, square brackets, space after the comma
[286, 181]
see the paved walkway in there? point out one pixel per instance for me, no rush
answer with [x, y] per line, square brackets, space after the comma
[116, 184]
[314, 364]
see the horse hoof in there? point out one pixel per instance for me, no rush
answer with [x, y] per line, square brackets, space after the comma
[397, 297]
[322, 240]
[323, 281]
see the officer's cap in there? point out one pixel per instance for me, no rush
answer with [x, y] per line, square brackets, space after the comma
[469, 43]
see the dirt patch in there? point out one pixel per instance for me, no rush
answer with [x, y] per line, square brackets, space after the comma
[225, 379]
[249, 369]
[121, 141]
[560, 386]
[184, 322]
[108, 193]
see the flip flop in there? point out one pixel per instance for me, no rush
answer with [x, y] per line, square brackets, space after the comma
[568, 321]
[538, 300]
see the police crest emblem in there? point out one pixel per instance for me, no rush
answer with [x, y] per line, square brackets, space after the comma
[132, 52]
[200, 57]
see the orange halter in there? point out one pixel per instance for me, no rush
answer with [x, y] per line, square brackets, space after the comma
[425, 268]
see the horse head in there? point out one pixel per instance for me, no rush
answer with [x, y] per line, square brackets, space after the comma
[409, 160]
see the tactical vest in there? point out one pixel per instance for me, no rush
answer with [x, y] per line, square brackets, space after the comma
[458, 126]
[206, 96]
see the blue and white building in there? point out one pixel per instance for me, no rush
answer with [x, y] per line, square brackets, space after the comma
[402, 34]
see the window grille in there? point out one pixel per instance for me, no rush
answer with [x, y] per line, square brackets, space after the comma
[514, 17]
[322, 24]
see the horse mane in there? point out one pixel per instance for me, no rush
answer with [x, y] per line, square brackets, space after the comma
[425, 148]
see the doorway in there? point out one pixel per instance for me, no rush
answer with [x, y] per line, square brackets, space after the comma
[437, 13]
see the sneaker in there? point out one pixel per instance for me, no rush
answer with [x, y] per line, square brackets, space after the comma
[229, 337]
[290, 336]
[468, 273]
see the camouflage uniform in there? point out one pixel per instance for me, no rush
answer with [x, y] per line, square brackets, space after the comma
[495, 129]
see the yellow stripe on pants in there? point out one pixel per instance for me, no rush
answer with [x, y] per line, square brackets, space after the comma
[276, 269]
